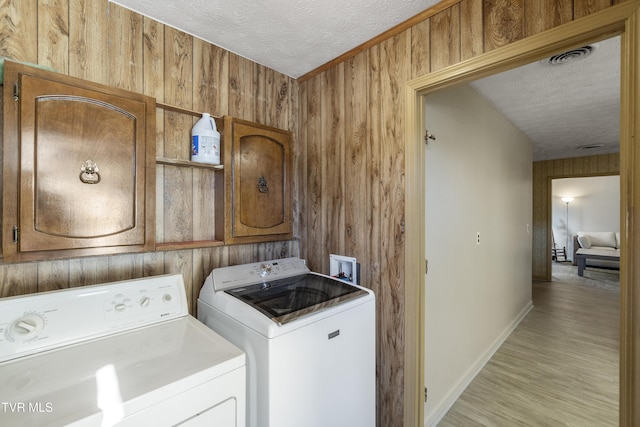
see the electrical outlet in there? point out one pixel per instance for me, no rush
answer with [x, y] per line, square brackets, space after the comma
[478, 238]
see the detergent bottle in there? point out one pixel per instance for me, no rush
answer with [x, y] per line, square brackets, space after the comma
[205, 141]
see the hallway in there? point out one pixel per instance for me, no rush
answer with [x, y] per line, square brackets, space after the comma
[558, 368]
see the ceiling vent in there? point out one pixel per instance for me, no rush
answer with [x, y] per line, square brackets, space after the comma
[589, 146]
[570, 56]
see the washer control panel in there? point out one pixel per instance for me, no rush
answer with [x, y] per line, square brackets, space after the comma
[37, 322]
[249, 274]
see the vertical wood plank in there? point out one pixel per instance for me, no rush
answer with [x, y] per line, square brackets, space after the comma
[153, 263]
[541, 15]
[53, 275]
[153, 63]
[503, 22]
[220, 94]
[300, 183]
[445, 38]
[357, 190]
[583, 8]
[395, 71]
[278, 97]
[333, 167]
[204, 99]
[243, 254]
[178, 91]
[89, 40]
[125, 267]
[298, 150]
[18, 279]
[262, 81]
[315, 158]
[153, 85]
[18, 31]
[88, 271]
[204, 200]
[178, 204]
[198, 274]
[125, 48]
[240, 87]
[209, 74]
[420, 44]
[373, 269]
[178, 68]
[471, 32]
[53, 34]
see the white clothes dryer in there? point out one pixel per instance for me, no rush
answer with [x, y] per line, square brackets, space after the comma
[118, 354]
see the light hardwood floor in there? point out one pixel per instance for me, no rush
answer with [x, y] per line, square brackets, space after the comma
[558, 368]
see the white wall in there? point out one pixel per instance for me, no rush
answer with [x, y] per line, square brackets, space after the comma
[478, 179]
[595, 207]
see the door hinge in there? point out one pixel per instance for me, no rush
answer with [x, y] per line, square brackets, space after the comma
[15, 234]
[425, 395]
[428, 136]
[16, 92]
[426, 266]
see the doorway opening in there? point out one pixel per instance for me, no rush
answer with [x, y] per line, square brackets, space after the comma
[616, 20]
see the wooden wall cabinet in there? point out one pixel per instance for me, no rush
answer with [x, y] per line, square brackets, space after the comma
[257, 165]
[78, 167]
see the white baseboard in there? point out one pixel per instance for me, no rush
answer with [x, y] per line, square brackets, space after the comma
[455, 393]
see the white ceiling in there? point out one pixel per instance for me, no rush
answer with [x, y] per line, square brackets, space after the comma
[289, 36]
[563, 107]
[560, 107]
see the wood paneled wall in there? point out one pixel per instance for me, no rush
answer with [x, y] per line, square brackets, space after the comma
[105, 43]
[351, 134]
[543, 173]
[348, 155]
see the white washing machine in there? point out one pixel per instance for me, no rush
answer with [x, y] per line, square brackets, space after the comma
[309, 341]
[118, 354]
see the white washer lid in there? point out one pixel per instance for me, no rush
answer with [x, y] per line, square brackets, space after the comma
[141, 367]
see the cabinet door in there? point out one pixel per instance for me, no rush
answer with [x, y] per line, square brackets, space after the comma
[258, 192]
[78, 180]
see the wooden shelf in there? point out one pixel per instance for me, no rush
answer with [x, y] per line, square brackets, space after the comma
[182, 110]
[173, 246]
[187, 163]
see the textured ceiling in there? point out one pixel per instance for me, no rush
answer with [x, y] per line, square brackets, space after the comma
[289, 36]
[563, 107]
[559, 107]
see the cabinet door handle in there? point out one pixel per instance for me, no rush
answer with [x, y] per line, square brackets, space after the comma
[262, 185]
[89, 172]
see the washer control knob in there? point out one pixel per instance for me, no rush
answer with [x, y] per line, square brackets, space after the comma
[166, 298]
[120, 307]
[145, 301]
[265, 270]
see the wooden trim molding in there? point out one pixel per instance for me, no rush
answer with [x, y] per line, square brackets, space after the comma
[620, 19]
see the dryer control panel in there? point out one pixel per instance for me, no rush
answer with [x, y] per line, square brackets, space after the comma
[37, 322]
